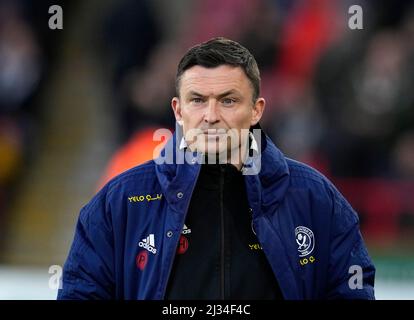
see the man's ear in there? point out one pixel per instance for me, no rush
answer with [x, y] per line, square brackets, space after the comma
[257, 111]
[175, 104]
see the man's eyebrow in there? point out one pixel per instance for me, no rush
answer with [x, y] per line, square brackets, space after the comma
[194, 93]
[232, 91]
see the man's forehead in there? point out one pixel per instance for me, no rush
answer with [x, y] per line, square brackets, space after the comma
[223, 77]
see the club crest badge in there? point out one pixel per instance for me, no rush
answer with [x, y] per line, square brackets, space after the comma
[305, 240]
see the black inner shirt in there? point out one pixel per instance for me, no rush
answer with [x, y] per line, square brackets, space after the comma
[219, 256]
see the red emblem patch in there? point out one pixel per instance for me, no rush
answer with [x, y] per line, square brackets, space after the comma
[142, 259]
[182, 245]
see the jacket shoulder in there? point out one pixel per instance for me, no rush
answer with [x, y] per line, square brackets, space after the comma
[136, 175]
[142, 177]
[135, 178]
[302, 172]
[304, 177]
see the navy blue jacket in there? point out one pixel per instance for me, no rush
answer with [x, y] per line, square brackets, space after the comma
[127, 235]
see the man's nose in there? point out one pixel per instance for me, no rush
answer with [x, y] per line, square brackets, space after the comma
[212, 113]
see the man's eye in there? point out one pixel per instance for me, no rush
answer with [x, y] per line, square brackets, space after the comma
[197, 100]
[228, 101]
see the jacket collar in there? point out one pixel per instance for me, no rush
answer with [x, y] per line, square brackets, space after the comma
[266, 173]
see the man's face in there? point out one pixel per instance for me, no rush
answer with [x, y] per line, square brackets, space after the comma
[214, 105]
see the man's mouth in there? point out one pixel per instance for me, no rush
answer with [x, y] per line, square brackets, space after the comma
[214, 134]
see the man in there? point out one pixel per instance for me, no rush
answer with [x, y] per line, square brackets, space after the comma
[221, 214]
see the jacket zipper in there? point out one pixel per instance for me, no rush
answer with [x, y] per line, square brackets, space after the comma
[222, 253]
[185, 215]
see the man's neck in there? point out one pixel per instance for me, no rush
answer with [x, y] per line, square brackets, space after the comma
[236, 157]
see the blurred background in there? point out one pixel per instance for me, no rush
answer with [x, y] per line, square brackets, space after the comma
[79, 105]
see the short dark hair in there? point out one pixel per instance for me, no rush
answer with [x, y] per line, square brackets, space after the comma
[217, 52]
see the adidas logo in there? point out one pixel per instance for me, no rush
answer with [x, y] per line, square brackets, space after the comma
[148, 243]
[186, 230]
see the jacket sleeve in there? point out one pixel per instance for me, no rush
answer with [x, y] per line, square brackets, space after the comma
[88, 271]
[351, 271]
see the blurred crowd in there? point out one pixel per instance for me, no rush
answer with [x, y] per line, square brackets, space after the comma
[25, 54]
[338, 98]
[341, 100]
